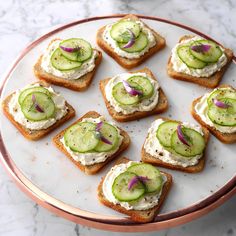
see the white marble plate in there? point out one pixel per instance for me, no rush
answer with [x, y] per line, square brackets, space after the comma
[50, 171]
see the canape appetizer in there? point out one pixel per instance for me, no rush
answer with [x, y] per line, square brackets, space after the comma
[70, 63]
[129, 41]
[176, 145]
[133, 95]
[37, 109]
[136, 189]
[198, 60]
[91, 142]
[217, 112]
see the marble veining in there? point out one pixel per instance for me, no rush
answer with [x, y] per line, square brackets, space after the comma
[23, 21]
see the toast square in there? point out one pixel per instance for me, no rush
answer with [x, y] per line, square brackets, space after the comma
[223, 137]
[79, 84]
[209, 82]
[146, 157]
[142, 216]
[125, 62]
[95, 168]
[36, 134]
[161, 106]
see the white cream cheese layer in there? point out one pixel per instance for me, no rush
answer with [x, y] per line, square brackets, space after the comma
[144, 203]
[85, 68]
[144, 105]
[151, 41]
[201, 109]
[15, 110]
[207, 71]
[90, 158]
[155, 149]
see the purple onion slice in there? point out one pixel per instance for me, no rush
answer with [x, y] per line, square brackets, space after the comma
[220, 104]
[201, 48]
[132, 91]
[181, 136]
[99, 134]
[67, 49]
[131, 41]
[135, 180]
[36, 105]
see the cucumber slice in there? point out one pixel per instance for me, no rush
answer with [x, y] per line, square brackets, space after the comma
[26, 92]
[62, 63]
[83, 54]
[211, 56]
[191, 61]
[81, 137]
[140, 43]
[109, 132]
[165, 131]
[120, 188]
[119, 30]
[223, 116]
[196, 140]
[124, 98]
[154, 184]
[44, 101]
[221, 93]
[144, 83]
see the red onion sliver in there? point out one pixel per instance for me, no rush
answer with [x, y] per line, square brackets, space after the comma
[131, 41]
[220, 104]
[36, 105]
[201, 48]
[67, 49]
[106, 140]
[99, 134]
[135, 180]
[132, 91]
[181, 135]
[99, 126]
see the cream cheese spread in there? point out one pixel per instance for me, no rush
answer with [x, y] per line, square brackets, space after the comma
[144, 105]
[207, 71]
[15, 110]
[201, 109]
[146, 202]
[90, 158]
[155, 149]
[151, 41]
[85, 68]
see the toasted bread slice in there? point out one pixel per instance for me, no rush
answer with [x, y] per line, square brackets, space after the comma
[209, 82]
[146, 157]
[223, 137]
[36, 134]
[161, 106]
[95, 168]
[142, 216]
[125, 62]
[79, 84]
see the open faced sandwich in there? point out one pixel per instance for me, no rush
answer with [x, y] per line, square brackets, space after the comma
[133, 95]
[129, 41]
[176, 145]
[37, 109]
[136, 189]
[198, 60]
[91, 142]
[70, 63]
[217, 112]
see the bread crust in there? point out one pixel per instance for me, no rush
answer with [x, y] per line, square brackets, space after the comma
[146, 157]
[79, 84]
[209, 82]
[95, 168]
[142, 216]
[161, 106]
[125, 62]
[36, 134]
[223, 137]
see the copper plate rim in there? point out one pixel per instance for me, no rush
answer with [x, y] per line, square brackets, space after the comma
[102, 221]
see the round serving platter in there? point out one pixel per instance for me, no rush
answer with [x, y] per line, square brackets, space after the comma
[54, 182]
